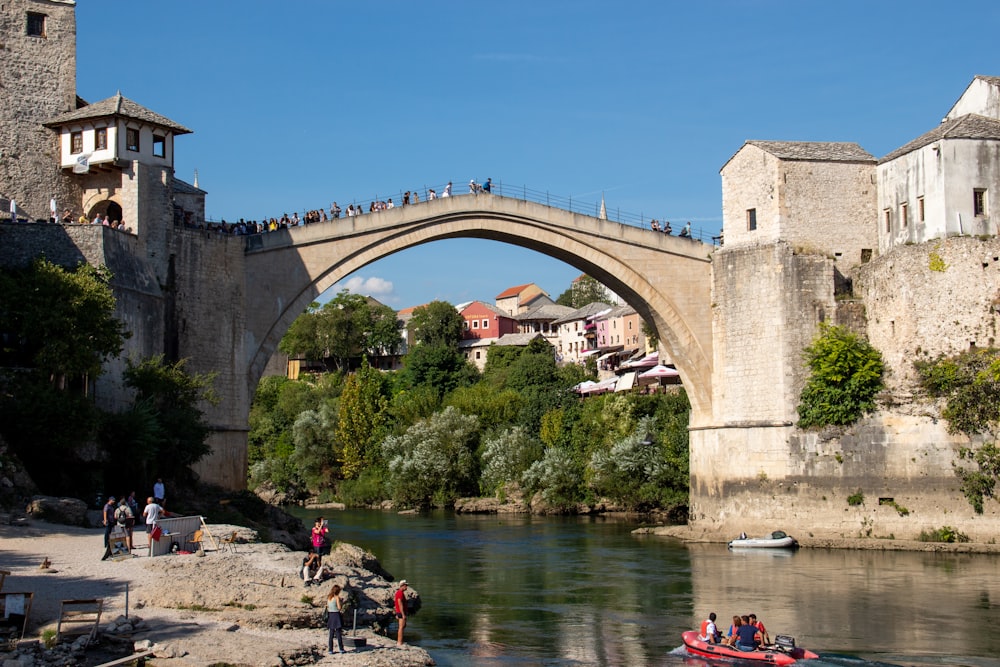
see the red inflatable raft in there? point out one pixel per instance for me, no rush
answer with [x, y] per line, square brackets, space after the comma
[784, 652]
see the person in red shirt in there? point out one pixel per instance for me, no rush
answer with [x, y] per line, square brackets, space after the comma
[399, 604]
[766, 638]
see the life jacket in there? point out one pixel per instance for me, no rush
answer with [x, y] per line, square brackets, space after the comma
[704, 630]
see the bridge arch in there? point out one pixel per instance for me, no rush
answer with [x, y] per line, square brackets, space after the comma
[665, 278]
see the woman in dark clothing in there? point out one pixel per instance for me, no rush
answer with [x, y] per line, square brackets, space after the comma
[334, 622]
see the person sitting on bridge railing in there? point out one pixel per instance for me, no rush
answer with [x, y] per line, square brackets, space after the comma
[654, 225]
[667, 229]
[488, 185]
[686, 232]
[415, 199]
[431, 194]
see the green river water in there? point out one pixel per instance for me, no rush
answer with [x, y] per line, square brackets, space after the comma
[521, 590]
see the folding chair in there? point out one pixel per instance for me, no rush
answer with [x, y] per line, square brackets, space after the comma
[229, 542]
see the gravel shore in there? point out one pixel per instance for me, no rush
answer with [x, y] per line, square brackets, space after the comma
[243, 608]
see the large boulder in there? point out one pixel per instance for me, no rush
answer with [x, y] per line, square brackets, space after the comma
[68, 511]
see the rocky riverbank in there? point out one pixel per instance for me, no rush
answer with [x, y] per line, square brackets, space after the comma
[242, 607]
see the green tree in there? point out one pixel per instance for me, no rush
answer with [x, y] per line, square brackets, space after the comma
[584, 290]
[363, 419]
[437, 323]
[59, 322]
[641, 471]
[342, 330]
[57, 327]
[846, 375]
[433, 460]
[315, 457]
[173, 396]
[495, 408]
[506, 457]
[442, 367]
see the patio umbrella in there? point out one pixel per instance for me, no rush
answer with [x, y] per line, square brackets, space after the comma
[582, 387]
[660, 371]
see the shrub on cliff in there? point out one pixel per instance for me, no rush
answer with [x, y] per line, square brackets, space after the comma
[970, 385]
[846, 375]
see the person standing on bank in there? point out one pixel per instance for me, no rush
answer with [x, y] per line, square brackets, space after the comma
[399, 605]
[151, 513]
[159, 492]
[109, 524]
[334, 620]
[319, 533]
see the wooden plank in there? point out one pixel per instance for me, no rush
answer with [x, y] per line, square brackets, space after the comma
[141, 656]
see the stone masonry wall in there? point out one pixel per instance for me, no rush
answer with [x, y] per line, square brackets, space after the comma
[37, 83]
[209, 292]
[829, 208]
[767, 303]
[939, 297]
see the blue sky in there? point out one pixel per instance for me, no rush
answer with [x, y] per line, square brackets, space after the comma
[299, 104]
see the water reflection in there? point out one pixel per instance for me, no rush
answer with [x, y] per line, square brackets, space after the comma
[585, 591]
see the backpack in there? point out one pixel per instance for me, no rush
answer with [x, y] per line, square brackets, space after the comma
[121, 514]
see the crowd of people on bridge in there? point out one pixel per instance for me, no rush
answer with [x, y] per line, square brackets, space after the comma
[270, 224]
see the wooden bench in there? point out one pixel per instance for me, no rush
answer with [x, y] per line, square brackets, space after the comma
[138, 658]
[79, 618]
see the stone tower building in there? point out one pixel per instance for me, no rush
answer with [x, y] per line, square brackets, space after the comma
[37, 82]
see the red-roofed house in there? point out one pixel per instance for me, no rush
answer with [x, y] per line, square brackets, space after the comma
[485, 321]
[522, 298]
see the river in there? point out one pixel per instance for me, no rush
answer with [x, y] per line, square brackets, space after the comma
[522, 590]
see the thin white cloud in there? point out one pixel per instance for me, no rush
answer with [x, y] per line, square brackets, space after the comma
[378, 288]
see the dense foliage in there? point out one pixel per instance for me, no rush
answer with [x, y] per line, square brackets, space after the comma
[517, 429]
[583, 291]
[57, 329]
[846, 375]
[343, 330]
[969, 383]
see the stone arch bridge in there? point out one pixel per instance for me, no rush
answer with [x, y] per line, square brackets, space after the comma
[667, 279]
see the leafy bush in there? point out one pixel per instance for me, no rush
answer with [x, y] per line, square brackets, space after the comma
[433, 459]
[846, 375]
[856, 499]
[970, 384]
[979, 484]
[506, 456]
[558, 475]
[638, 472]
[367, 490]
[943, 534]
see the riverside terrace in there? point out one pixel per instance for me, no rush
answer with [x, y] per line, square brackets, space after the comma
[427, 193]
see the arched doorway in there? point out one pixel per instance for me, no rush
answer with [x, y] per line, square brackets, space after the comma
[108, 207]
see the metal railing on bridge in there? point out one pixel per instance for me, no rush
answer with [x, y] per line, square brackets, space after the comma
[522, 192]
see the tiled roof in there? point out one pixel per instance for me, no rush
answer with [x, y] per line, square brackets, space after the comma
[119, 106]
[519, 339]
[815, 151]
[969, 126]
[493, 309]
[581, 313]
[512, 291]
[549, 311]
[185, 188]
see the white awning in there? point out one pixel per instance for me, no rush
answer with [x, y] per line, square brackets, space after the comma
[626, 381]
